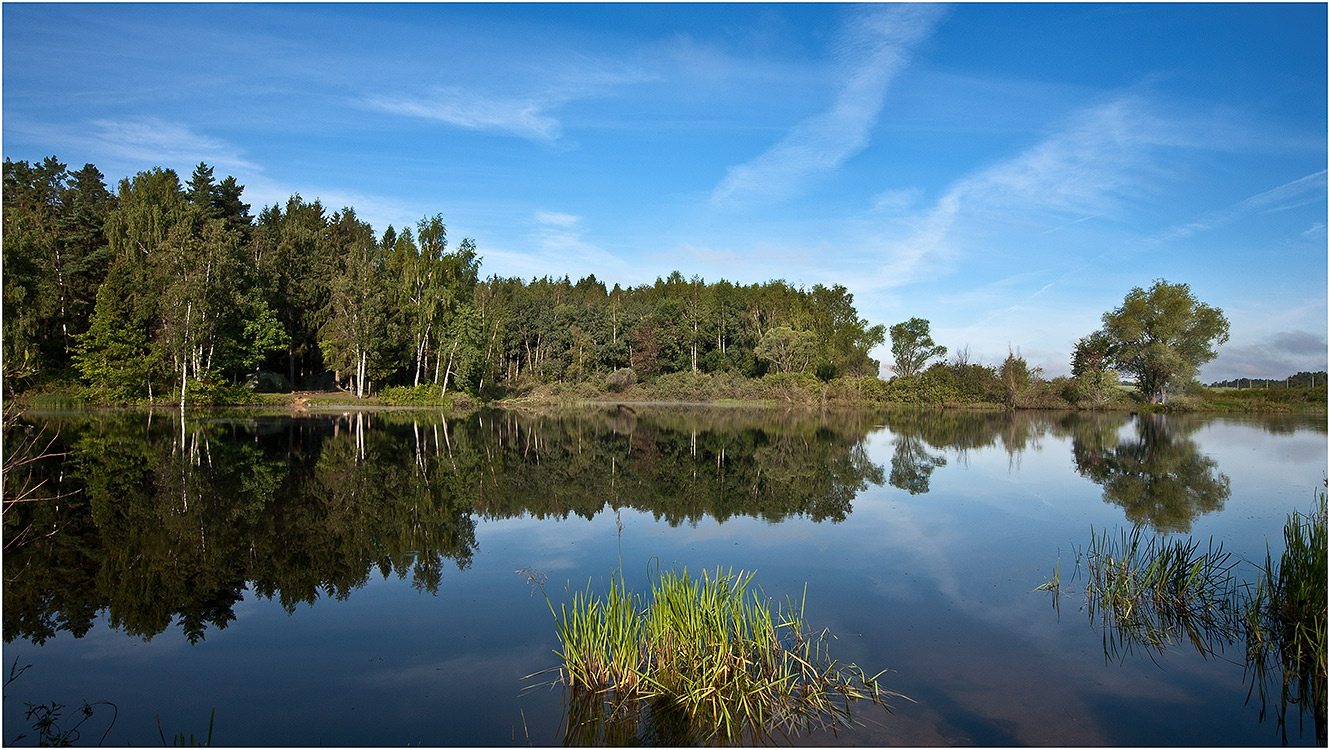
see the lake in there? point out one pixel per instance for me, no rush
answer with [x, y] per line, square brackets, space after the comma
[368, 578]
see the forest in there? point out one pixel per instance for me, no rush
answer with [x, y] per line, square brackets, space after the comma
[166, 291]
[170, 290]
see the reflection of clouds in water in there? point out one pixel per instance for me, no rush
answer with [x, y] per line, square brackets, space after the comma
[493, 665]
[551, 544]
[102, 643]
[1230, 442]
[919, 535]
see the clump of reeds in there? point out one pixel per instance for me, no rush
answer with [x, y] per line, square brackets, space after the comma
[1153, 591]
[1284, 614]
[708, 653]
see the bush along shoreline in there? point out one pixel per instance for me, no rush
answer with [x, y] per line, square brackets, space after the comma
[939, 387]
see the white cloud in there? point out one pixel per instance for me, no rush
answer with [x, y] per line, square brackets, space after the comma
[1102, 159]
[554, 218]
[1099, 160]
[1296, 193]
[556, 245]
[522, 117]
[874, 48]
[526, 115]
[152, 141]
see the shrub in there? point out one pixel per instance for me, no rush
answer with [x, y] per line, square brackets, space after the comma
[212, 390]
[791, 386]
[685, 386]
[866, 389]
[621, 379]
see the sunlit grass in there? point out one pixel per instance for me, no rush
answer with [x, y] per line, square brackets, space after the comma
[706, 654]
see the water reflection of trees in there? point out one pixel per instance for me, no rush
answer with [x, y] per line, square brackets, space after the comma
[1157, 473]
[170, 523]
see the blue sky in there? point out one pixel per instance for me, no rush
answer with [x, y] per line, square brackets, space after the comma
[1008, 172]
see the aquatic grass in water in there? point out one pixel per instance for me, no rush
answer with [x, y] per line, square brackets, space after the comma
[1153, 591]
[1284, 615]
[709, 657]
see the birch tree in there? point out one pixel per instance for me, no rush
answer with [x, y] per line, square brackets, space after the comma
[356, 336]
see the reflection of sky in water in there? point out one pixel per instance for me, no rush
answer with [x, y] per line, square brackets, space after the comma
[936, 586]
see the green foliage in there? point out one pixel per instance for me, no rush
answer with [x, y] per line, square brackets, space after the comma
[621, 379]
[1093, 353]
[790, 387]
[1273, 399]
[55, 257]
[789, 350]
[939, 385]
[1285, 618]
[1091, 389]
[912, 347]
[212, 389]
[46, 719]
[1162, 336]
[357, 337]
[113, 356]
[1302, 379]
[144, 293]
[694, 387]
[867, 389]
[261, 334]
[1154, 592]
[1017, 378]
[846, 339]
[180, 740]
[711, 651]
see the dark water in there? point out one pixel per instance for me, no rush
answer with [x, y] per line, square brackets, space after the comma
[352, 579]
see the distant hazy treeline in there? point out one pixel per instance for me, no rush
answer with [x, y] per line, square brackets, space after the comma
[1301, 380]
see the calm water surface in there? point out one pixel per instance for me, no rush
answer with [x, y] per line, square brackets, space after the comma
[352, 579]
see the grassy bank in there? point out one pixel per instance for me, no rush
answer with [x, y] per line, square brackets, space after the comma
[939, 388]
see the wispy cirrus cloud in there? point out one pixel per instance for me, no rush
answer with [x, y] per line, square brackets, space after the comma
[1098, 163]
[529, 114]
[524, 117]
[1293, 194]
[876, 45]
[151, 140]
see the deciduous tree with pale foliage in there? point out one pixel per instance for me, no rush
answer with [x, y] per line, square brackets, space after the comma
[1162, 336]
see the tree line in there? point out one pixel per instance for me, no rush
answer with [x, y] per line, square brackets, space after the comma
[164, 289]
[1301, 379]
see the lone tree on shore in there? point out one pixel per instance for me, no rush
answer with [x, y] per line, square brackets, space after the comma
[1163, 335]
